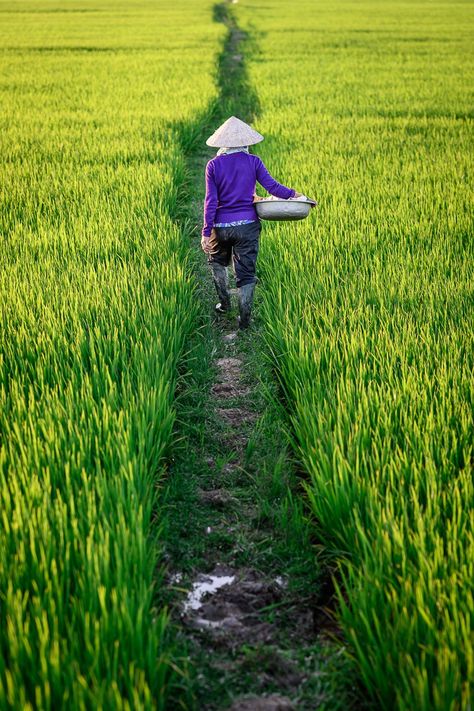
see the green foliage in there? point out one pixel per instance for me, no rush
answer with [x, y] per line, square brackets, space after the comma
[368, 315]
[96, 299]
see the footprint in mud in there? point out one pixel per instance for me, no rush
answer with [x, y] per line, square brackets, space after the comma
[219, 498]
[235, 416]
[226, 390]
[230, 369]
[228, 599]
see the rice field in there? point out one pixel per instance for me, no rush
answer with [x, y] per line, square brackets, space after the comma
[96, 300]
[366, 310]
[368, 315]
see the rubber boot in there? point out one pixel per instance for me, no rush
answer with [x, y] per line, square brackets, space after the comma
[245, 304]
[221, 282]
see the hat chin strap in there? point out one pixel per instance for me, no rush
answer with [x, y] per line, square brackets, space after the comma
[238, 149]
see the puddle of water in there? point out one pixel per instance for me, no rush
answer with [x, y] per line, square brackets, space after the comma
[209, 585]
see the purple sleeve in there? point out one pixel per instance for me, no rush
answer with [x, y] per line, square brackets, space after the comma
[270, 184]
[210, 202]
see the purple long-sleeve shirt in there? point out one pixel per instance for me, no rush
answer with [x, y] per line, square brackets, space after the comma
[230, 187]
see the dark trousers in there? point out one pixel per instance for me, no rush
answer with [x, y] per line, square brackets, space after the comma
[241, 244]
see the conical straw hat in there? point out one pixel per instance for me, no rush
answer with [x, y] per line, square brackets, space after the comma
[234, 133]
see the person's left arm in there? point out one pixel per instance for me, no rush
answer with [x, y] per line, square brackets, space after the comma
[271, 185]
[210, 206]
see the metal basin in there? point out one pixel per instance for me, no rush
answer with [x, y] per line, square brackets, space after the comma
[270, 209]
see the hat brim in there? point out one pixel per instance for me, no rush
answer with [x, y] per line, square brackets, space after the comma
[220, 143]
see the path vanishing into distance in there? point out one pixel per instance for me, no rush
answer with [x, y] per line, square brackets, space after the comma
[251, 605]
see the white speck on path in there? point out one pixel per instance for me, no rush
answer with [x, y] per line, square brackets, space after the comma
[208, 585]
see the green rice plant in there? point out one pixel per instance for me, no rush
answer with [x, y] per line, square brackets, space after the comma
[367, 309]
[96, 300]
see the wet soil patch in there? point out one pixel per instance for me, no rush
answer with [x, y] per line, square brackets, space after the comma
[218, 498]
[232, 617]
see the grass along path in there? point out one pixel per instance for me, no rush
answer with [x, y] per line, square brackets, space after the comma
[234, 519]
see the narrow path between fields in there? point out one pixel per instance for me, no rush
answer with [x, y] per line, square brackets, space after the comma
[244, 585]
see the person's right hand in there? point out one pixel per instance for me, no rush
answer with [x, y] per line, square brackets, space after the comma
[205, 245]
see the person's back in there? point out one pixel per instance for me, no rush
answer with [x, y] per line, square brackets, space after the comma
[235, 177]
[230, 188]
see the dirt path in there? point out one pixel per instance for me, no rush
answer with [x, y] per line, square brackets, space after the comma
[245, 588]
[247, 591]
[226, 608]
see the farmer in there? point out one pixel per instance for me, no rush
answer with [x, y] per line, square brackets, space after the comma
[231, 225]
